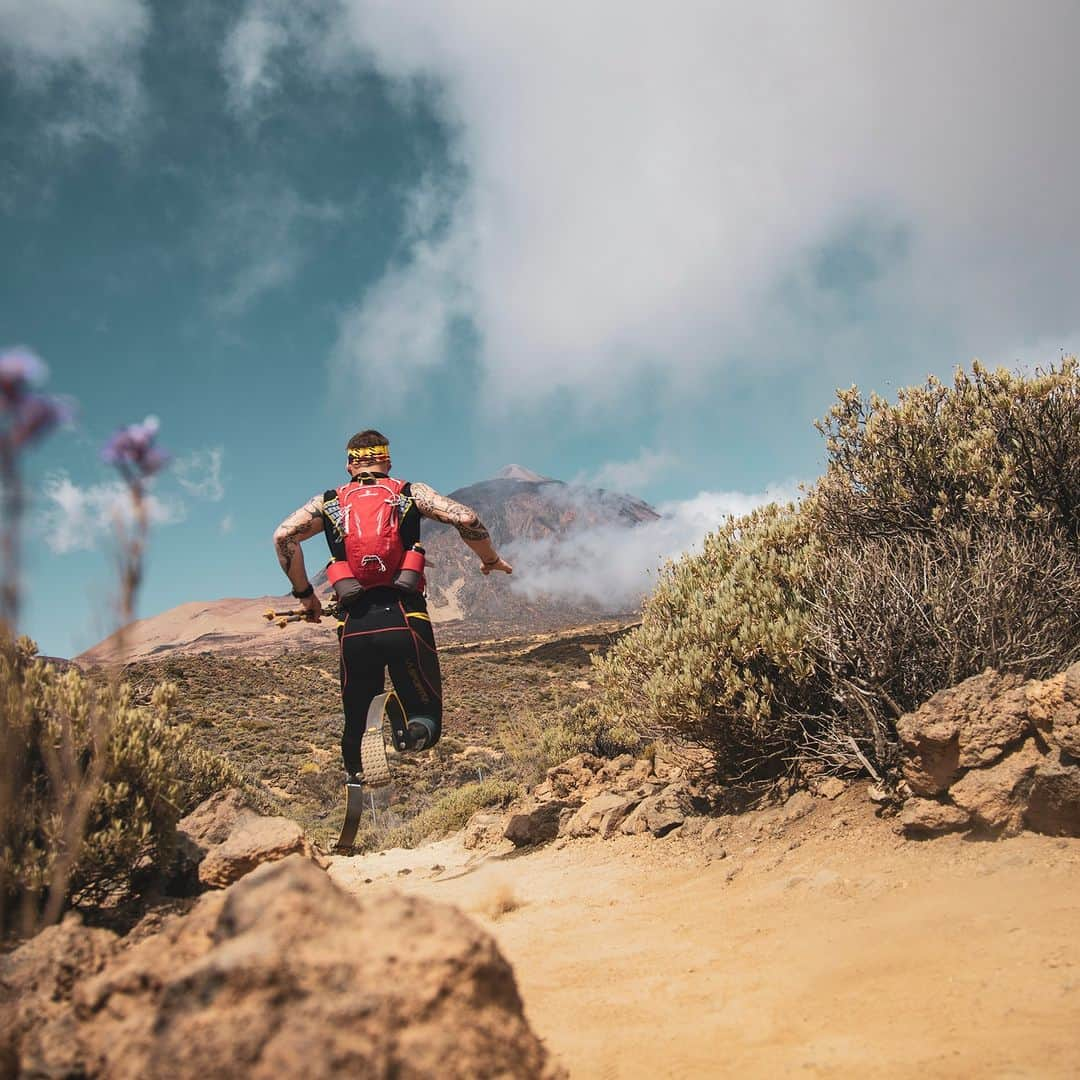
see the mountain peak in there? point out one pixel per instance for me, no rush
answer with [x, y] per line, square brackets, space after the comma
[519, 472]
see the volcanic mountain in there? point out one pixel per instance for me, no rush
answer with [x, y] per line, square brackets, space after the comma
[523, 511]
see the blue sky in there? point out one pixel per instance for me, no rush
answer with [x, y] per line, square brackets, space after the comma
[643, 253]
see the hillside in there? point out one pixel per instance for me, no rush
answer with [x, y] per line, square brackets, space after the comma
[278, 716]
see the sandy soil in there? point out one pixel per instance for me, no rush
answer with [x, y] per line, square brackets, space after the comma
[822, 946]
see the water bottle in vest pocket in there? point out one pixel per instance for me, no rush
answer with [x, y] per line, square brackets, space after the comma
[370, 522]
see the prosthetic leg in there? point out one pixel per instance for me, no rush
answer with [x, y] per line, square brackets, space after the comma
[374, 762]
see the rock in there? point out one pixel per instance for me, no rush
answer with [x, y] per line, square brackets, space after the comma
[569, 779]
[36, 984]
[967, 725]
[211, 822]
[483, 829]
[659, 814]
[926, 817]
[996, 796]
[798, 806]
[713, 829]
[535, 824]
[225, 837]
[254, 840]
[1054, 800]
[830, 787]
[284, 974]
[1054, 707]
[602, 814]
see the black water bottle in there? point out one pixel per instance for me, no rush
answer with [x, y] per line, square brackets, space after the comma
[410, 578]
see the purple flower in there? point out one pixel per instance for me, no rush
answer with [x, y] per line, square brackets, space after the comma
[19, 370]
[27, 415]
[132, 450]
[36, 415]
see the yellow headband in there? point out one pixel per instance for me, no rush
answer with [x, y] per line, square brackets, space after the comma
[369, 453]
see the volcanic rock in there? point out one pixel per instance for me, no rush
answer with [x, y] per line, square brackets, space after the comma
[225, 838]
[536, 823]
[283, 974]
[928, 817]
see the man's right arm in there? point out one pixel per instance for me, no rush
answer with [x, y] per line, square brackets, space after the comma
[300, 525]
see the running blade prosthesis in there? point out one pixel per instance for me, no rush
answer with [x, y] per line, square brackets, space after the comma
[374, 763]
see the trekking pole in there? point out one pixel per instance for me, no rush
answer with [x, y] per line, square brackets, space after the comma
[283, 618]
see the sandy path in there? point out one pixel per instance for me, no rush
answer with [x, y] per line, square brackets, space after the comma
[819, 947]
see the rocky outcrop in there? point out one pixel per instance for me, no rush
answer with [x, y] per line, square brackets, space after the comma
[996, 755]
[225, 838]
[593, 796]
[282, 974]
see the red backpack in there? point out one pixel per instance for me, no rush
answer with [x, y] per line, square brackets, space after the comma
[370, 520]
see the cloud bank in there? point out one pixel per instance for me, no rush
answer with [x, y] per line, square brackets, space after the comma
[688, 184]
[615, 566]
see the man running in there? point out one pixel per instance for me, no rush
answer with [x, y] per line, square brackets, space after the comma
[385, 625]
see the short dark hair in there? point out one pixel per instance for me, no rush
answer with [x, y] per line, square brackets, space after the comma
[363, 439]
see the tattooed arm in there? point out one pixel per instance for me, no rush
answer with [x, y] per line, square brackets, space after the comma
[299, 526]
[468, 524]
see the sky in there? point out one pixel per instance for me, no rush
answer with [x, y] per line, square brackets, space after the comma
[635, 245]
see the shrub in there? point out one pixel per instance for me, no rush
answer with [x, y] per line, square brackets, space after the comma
[453, 810]
[533, 744]
[944, 537]
[57, 725]
[720, 658]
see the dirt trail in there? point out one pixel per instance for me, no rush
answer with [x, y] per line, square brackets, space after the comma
[823, 946]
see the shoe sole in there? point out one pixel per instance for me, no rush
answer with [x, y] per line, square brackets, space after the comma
[373, 759]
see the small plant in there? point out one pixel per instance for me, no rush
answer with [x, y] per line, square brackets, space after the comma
[453, 810]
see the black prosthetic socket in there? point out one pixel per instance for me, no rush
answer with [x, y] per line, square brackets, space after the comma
[423, 732]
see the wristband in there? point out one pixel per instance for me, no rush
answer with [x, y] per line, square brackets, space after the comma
[303, 594]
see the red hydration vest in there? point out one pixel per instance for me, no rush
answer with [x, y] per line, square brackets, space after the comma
[370, 523]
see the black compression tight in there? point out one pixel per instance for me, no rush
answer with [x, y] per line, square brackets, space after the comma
[388, 629]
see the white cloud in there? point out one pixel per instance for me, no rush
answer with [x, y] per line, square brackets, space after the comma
[77, 517]
[227, 524]
[643, 180]
[615, 565]
[95, 43]
[630, 475]
[199, 473]
[259, 236]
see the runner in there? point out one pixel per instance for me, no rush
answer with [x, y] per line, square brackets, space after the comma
[372, 526]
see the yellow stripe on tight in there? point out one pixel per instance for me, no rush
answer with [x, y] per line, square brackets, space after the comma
[417, 615]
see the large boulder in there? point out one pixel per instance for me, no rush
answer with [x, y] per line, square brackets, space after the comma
[225, 838]
[966, 725]
[995, 754]
[284, 974]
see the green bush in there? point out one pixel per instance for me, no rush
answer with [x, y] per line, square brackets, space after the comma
[943, 538]
[55, 727]
[453, 810]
